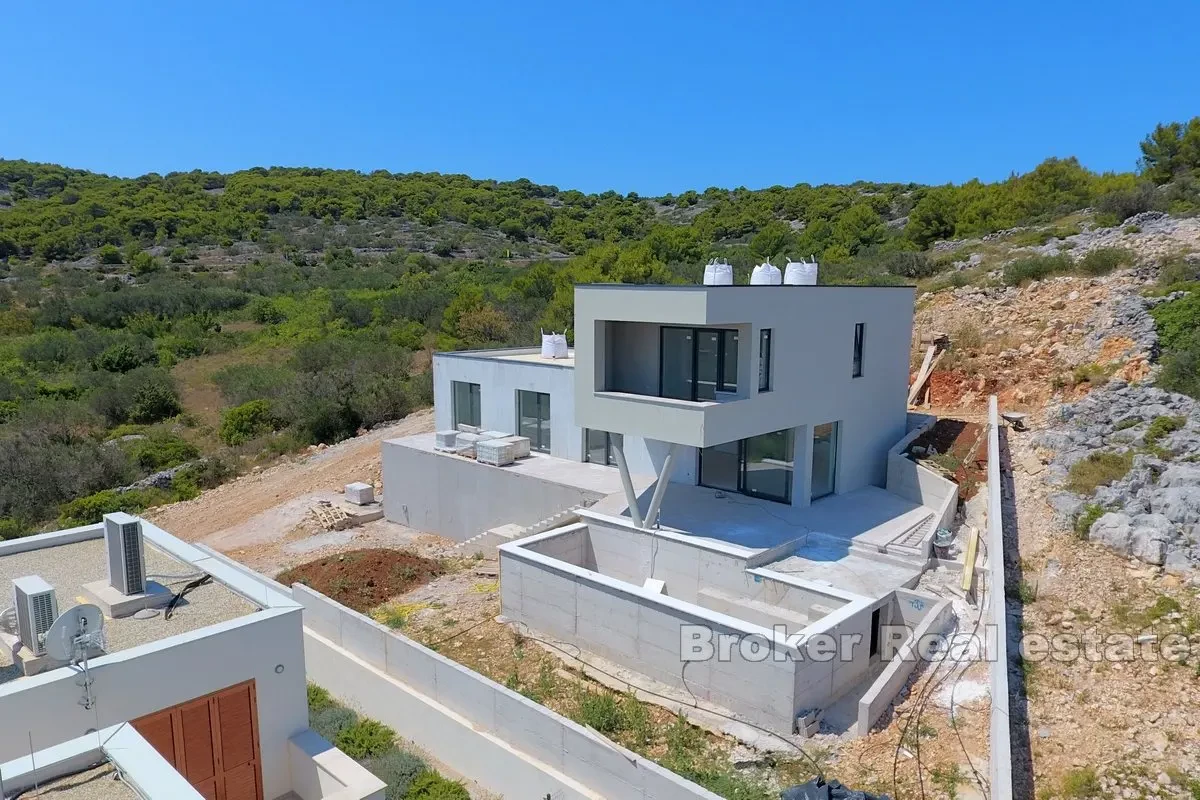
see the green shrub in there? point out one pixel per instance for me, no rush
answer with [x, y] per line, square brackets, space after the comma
[331, 721]
[110, 254]
[599, 710]
[179, 255]
[13, 529]
[366, 738]
[160, 450]
[1035, 268]
[1177, 270]
[90, 509]
[1092, 374]
[1127, 423]
[399, 770]
[319, 698]
[154, 397]
[1181, 368]
[206, 474]
[267, 312]
[431, 786]
[1177, 321]
[1162, 426]
[248, 421]
[1081, 783]
[1098, 469]
[1083, 523]
[1104, 260]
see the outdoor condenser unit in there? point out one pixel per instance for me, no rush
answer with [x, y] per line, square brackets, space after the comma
[37, 608]
[126, 554]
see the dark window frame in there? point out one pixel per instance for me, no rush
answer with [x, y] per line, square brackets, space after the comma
[473, 389]
[764, 360]
[875, 632]
[721, 385]
[536, 444]
[860, 336]
[609, 438]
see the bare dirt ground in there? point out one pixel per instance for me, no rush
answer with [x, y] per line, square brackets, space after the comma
[258, 518]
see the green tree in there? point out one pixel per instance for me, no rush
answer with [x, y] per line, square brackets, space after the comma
[1170, 149]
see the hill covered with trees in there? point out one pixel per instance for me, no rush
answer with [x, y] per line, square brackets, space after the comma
[209, 319]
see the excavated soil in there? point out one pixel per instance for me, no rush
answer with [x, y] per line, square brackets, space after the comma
[362, 579]
[962, 442]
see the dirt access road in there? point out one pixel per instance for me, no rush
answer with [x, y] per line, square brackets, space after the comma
[263, 507]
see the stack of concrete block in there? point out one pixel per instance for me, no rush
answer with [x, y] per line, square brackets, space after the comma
[808, 722]
[465, 444]
[465, 428]
[445, 440]
[498, 452]
[520, 445]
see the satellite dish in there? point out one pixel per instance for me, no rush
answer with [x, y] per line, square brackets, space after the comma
[62, 638]
[8, 621]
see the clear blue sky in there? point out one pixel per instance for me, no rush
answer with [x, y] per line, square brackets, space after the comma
[652, 97]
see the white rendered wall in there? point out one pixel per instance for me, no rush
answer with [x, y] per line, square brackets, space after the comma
[812, 382]
[499, 381]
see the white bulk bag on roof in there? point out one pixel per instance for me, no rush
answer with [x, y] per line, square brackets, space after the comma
[723, 274]
[766, 275]
[800, 273]
[554, 345]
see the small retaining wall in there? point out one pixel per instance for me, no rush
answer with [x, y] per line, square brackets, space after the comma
[476, 727]
[895, 675]
[913, 482]
[1001, 744]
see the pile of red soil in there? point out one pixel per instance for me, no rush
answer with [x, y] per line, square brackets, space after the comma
[363, 579]
[964, 443]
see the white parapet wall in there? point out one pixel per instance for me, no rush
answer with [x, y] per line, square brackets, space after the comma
[1001, 742]
[501, 740]
[322, 772]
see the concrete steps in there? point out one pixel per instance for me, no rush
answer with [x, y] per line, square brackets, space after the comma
[915, 540]
[485, 543]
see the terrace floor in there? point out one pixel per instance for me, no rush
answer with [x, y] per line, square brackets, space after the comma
[869, 517]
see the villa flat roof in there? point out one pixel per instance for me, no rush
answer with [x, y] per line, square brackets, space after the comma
[98, 783]
[693, 287]
[67, 567]
[526, 355]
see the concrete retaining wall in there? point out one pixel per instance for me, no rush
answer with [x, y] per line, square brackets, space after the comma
[616, 619]
[476, 727]
[896, 674]
[913, 482]
[459, 498]
[1001, 744]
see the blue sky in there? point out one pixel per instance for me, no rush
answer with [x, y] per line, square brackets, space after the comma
[652, 97]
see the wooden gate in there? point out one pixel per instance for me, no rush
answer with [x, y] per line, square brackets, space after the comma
[211, 741]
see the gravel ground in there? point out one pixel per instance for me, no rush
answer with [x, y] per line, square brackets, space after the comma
[95, 784]
[68, 567]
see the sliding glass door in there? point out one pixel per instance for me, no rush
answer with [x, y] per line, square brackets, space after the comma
[696, 363]
[533, 419]
[677, 368]
[598, 447]
[824, 459]
[761, 466]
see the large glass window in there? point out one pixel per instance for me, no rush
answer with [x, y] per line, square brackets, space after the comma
[696, 363]
[768, 463]
[533, 419]
[824, 459]
[677, 364]
[860, 332]
[464, 403]
[760, 466]
[598, 447]
[764, 360]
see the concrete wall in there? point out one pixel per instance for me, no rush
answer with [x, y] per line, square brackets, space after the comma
[459, 498]
[487, 733]
[499, 380]
[608, 613]
[913, 482]
[813, 342]
[1001, 743]
[322, 772]
[875, 701]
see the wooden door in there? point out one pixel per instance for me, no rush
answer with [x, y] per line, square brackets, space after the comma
[211, 741]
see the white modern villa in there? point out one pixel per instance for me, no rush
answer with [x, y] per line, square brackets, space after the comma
[728, 457]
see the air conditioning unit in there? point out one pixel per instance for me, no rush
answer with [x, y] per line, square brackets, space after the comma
[37, 608]
[126, 553]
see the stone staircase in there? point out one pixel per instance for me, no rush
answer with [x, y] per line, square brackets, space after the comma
[914, 541]
[909, 545]
[485, 543]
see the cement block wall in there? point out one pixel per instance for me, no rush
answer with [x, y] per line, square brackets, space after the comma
[459, 498]
[489, 734]
[1001, 743]
[913, 482]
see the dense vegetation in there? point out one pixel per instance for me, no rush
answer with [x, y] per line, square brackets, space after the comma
[206, 319]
